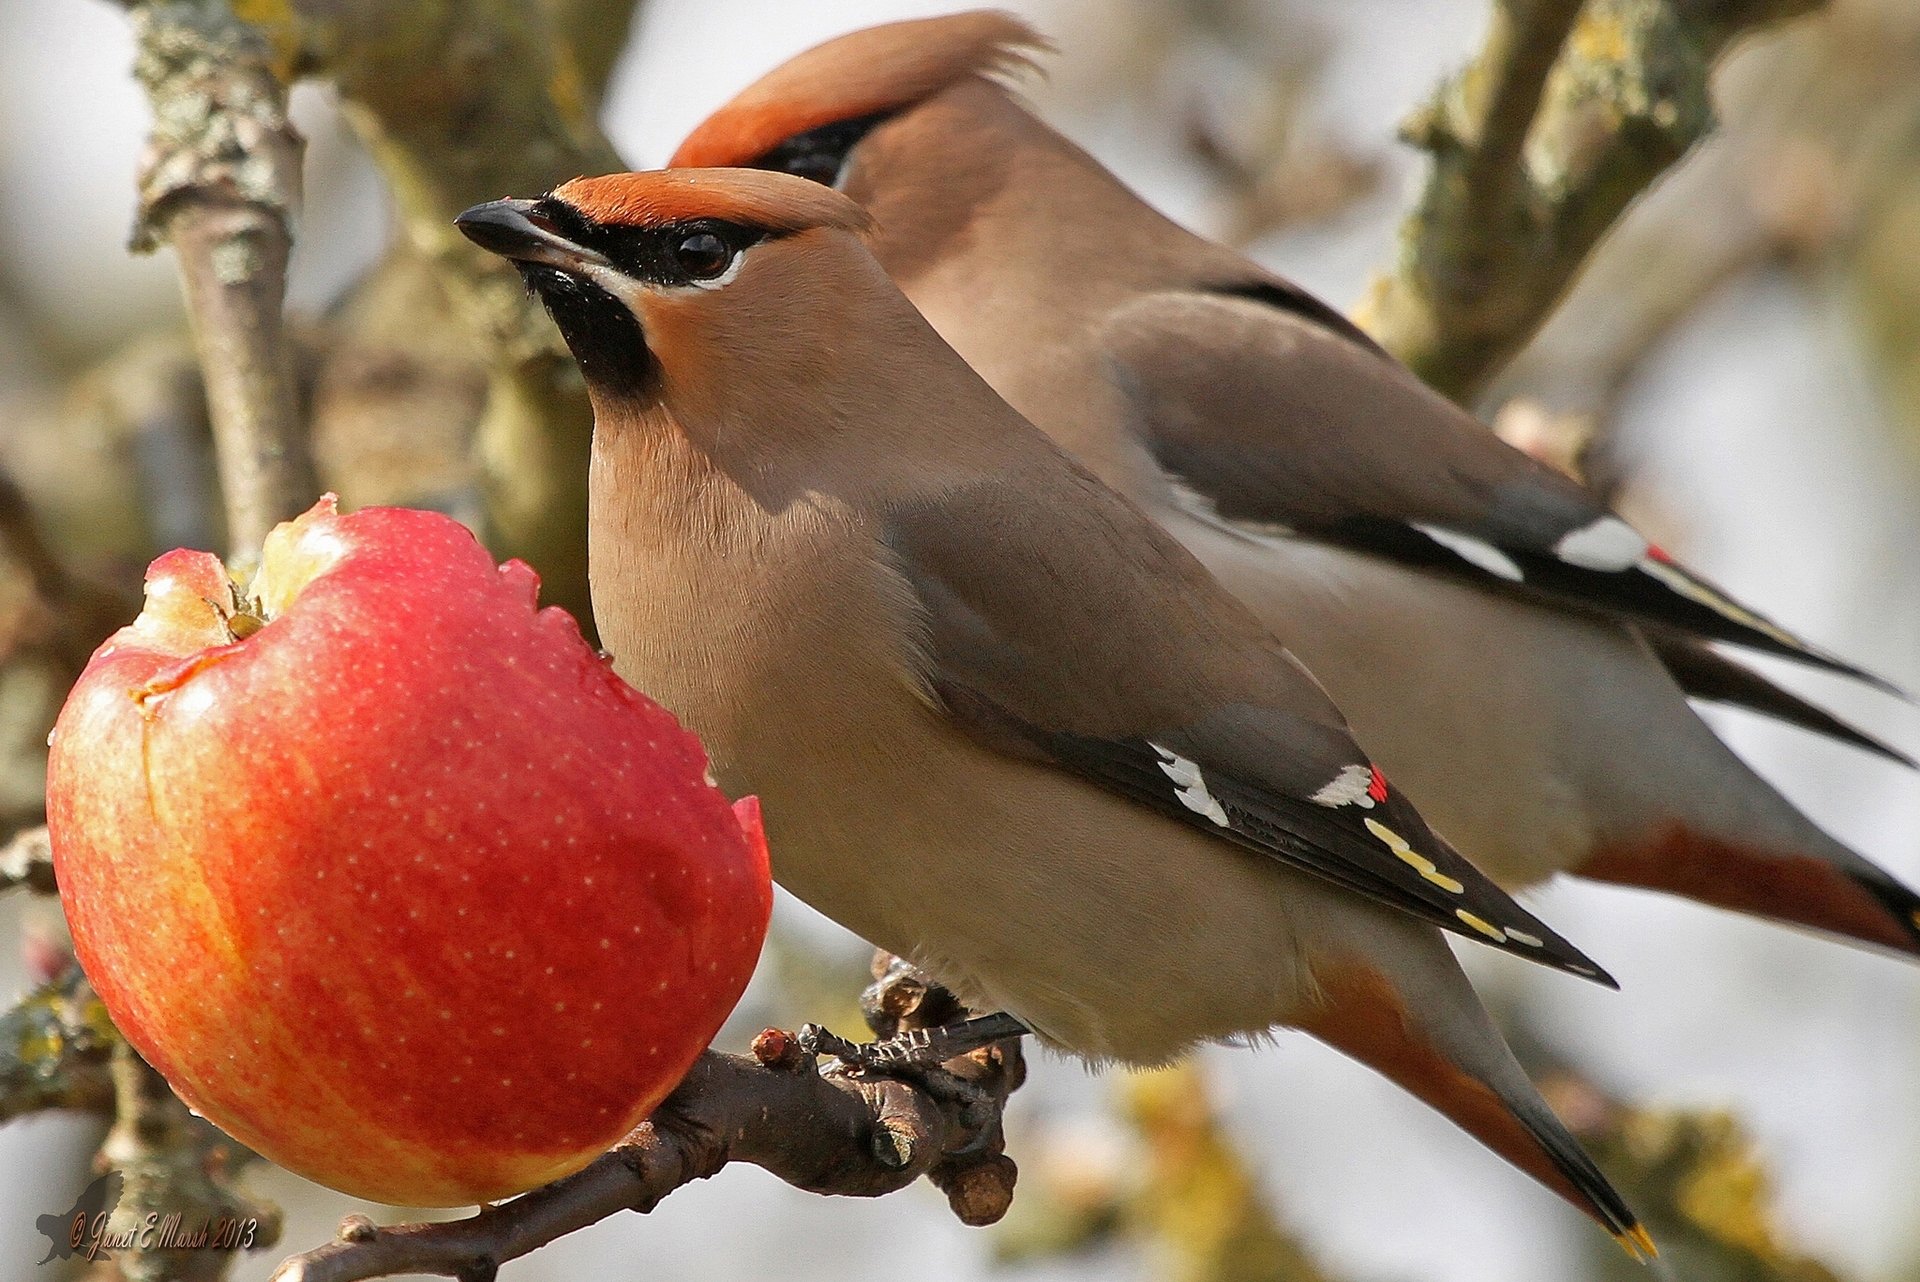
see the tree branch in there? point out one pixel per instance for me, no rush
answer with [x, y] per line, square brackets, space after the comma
[177, 1169]
[27, 860]
[1492, 106]
[596, 33]
[1538, 147]
[821, 1130]
[221, 182]
[462, 101]
[54, 1049]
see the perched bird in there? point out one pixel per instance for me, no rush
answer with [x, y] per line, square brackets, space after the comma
[1000, 723]
[1517, 655]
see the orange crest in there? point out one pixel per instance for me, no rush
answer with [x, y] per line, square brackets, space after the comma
[865, 73]
[750, 197]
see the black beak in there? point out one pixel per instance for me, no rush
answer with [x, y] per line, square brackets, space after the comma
[516, 229]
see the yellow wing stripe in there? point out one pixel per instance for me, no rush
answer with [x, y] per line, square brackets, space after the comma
[1418, 862]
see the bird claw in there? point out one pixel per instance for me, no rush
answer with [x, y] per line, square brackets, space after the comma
[913, 1047]
[919, 1056]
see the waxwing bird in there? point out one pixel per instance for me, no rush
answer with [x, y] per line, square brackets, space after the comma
[1517, 655]
[1060, 768]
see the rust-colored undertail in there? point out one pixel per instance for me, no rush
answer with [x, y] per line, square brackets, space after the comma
[1363, 1016]
[1864, 905]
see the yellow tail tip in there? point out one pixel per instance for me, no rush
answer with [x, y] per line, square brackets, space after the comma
[1638, 1243]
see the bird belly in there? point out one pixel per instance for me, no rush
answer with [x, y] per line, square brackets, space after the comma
[1108, 929]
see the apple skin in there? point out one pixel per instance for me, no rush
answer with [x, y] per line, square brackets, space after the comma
[406, 890]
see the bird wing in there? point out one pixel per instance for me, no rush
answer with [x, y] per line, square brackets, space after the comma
[1079, 634]
[1271, 416]
[1704, 673]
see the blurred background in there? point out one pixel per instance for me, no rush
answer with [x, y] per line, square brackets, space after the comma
[1740, 369]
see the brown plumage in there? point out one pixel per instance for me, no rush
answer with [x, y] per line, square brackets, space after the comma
[1477, 615]
[999, 722]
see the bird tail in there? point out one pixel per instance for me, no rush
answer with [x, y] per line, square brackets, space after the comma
[1830, 889]
[1431, 1036]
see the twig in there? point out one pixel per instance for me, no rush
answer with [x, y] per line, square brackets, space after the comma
[221, 182]
[1494, 104]
[177, 1169]
[1275, 167]
[54, 1048]
[84, 612]
[820, 1130]
[1531, 167]
[595, 34]
[463, 102]
[27, 860]
[1741, 202]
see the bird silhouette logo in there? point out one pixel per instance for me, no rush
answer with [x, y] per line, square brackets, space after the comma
[70, 1233]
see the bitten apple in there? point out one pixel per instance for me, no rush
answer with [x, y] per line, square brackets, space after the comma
[387, 872]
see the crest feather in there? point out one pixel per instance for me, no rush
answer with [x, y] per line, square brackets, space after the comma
[865, 73]
[771, 202]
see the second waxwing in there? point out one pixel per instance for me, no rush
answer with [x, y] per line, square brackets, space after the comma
[1518, 656]
[999, 722]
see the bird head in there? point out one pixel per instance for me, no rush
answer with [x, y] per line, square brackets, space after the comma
[731, 303]
[809, 115]
[639, 271]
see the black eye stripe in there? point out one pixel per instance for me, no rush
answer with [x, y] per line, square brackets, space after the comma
[565, 219]
[652, 254]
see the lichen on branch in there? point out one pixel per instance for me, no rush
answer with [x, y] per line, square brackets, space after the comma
[460, 103]
[54, 1050]
[1568, 113]
[221, 182]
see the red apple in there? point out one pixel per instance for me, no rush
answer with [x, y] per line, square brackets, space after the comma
[387, 872]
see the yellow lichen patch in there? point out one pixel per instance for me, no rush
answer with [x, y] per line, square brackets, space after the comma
[1598, 37]
[263, 13]
[1482, 925]
[278, 23]
[567, 89]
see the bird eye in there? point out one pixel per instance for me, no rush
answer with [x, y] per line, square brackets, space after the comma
[703, 256]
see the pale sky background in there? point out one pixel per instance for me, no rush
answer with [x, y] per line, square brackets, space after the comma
[1759, 429]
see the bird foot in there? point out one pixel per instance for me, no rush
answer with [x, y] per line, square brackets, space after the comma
[915, 1047]
[920, 1056]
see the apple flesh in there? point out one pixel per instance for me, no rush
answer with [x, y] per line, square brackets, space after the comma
[387, 872]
